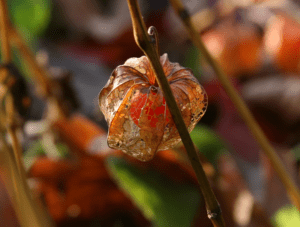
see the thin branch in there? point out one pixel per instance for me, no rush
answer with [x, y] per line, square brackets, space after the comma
[4, 29]
[143, 41]
[39, 75]
[4, 26]
[48, 88]
[28, 212]
[6, 59]
[11, 131]
[241, 106]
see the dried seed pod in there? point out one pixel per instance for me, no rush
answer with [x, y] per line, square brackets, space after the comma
[138, 118]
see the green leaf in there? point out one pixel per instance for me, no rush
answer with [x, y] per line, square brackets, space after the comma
[30, 16]
[162, 201]
[208, 143]
[296, 152]
[36, 149]
[287, 216]
[192, 61]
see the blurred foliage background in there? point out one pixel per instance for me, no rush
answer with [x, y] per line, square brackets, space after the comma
[80, 181]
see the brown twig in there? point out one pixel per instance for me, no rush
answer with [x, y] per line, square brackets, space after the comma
[149, 48]
[11, 131]
[6, 59]
[27, 210]
[48, 88]
[4, 26]
[39, 75]
[241, 106]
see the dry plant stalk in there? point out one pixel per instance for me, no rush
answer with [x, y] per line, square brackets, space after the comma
[244, 111]
[27, 210]
[6, 59]
[150, 49]
[48, 89]
[39, 75]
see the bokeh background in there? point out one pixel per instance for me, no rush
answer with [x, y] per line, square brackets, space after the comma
[82, 182]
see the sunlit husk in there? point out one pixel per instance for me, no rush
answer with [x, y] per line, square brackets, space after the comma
[139, 122]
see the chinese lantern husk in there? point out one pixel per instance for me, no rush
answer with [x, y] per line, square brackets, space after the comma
[140, 123]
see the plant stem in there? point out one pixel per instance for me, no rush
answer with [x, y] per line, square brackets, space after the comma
[27, 210]
[143, 41]
[241, 106]
[38, 73]
[48, 89]
[4, 26]
[4, 29]
[11, 131]
[6, 59]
